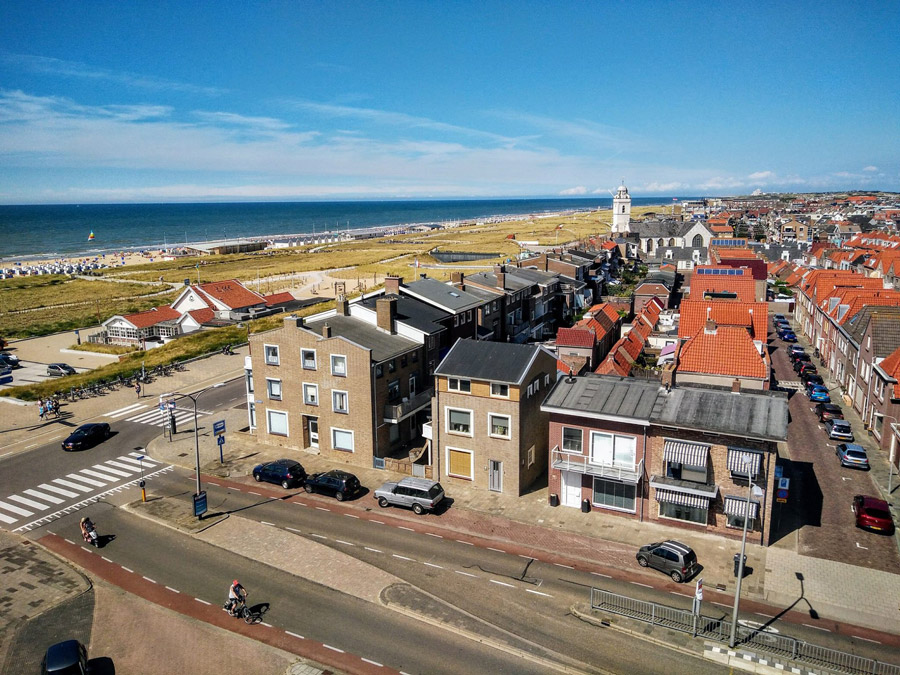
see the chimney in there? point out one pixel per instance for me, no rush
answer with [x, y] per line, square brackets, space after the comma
[458, 279]
[326, 330]
[386, 314]
[392, 285]
[500, 273]
[294, 319]
[710, 327]
[736, 386]
[423, 275]
[342, 305]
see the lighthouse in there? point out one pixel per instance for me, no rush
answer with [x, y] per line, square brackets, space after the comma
[621, 210]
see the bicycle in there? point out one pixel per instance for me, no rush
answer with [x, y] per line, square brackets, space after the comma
[244, 612]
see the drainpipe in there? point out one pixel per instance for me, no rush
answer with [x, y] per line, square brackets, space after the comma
[641, 517]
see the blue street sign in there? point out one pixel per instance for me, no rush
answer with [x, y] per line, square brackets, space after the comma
[219, 428]
[200, 504]
[220, 440]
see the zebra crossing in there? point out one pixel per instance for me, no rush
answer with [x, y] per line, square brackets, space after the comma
[80, 487]
[142, 413]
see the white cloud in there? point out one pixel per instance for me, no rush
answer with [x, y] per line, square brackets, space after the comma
[762, 175]
[577, 190]
[52, 66]
[870, 168]
[668, 187]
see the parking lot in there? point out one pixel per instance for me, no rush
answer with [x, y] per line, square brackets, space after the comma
[35, 353]
[821, 489]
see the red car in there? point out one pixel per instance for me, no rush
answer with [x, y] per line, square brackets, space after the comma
[873, 514]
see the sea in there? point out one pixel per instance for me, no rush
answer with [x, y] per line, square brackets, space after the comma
[64, 230]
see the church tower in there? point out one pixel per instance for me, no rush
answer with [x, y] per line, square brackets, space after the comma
[621, 210]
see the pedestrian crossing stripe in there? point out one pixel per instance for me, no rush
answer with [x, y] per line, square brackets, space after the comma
[127, 410]
[156, 419]
[76, 486]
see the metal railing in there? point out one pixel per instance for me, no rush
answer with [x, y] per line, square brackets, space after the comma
[712, 628]
[396, 412]
[579, 463]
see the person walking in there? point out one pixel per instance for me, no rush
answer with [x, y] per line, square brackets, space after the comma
[137, 389]
[41, 410]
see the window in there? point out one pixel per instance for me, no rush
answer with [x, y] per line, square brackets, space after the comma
[271, 352]
[251, 407]
[737, 521]
[468, 316]
[459, 421]
[459, 463]
[501, 390]
[691, 514]
[277, 422]
[547, 380]
[274, 389]
[308, 358]
[537, 384]
[339, 403]
[454, 384]
[342, 439]
[393, 390]
[403, 360]
[338, 365]
[392, 366]
[530, 456]
[249, 381]
[456, 319]
[311, 394]
[572, 439]
[498, 425]
[415, 357]
[612, 449]
[614, 495]
[379, 370]
[680, 471]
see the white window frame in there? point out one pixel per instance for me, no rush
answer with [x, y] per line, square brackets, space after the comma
[274, 381]
[471, 454]
[490, 426]
[274, 360]
[530, 457]
[499, 385]
[315, 362]
[447, 428]
[287, 428]
[337, 358]
[334, 446]
[334, 408]
[459, 381]
[315, 389]
[614, 439]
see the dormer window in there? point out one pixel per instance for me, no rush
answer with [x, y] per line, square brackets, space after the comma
[456, 384]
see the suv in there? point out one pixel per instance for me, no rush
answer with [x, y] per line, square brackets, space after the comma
[419, 493]
[285, 472]
[672, 557]
[335, 482]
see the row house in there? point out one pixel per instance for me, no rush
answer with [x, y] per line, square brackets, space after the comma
[489, 431]
[722, 282]
[659, 284]
[680, 456]
[353, 392]
[624, 353]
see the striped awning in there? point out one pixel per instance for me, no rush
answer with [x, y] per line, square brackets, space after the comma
[681, 452]
[737, 458]
[736, 506]
[681, 498]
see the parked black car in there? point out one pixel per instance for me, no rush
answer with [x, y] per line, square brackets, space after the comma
[86, 436]
[829, 411]
[287, 473]
[65, 658]
[802, 357]
[805, 367]
[810, 379]
[340, 484]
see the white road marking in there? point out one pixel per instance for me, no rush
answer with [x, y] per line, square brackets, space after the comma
[866, 639]
[605, 576]
[88, 481]
[29, 502]
[334, 649]
[465, 574]
[121, 465]
[114, 472]
[341, 541]
[150, 580]
[69, 484]
[501, 583]
[683, 595]
[7, 519]
[293, 530]
[318, 536]
[101, 476]
[125, 410]
[432, 534]
[322, 508]
[568, 567]
[467, 543]
[169, 588]
[499, 550]
[546, 595]
[816, 627]
[146, 460]
[299, 637]
[377, 521]
[433, 565]
[402, 557]
[15, 509]
[126, 569]
[637, 584]
[70, 542]
[408, 529]
[374, 550]
[106, 559]
[203, 601]
[265, 522]
[254, 493]
[263, 623]
[350, 515]
[374, 663]
[768, 616]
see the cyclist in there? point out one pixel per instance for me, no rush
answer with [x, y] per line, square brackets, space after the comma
[237, 596]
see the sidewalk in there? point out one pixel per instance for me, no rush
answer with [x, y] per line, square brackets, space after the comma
[596, 538]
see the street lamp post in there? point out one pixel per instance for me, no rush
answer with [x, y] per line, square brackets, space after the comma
[746, 460]
[194, 397]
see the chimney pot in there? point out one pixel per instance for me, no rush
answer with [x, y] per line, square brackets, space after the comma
[326, 331]
[342, 306]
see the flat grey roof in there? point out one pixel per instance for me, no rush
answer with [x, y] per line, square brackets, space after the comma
[444, 295]
[413, 312]
[604, 396]
[384, 346]
[493, 361]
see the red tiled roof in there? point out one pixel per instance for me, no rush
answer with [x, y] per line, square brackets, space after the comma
[152, 317]
[202, 315]
[609, 245]
[232, 293]
[891, 366]
[575, 337]
[743, 286]
[278, 298]
[750, 315]
[728, 351]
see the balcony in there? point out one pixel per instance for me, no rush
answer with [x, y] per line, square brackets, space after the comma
[394, 413]
[573, 461]
[426, 431]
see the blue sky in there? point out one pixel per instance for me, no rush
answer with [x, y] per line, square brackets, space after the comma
[232, 101]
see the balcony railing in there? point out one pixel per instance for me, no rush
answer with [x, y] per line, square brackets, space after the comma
[394, 413]
[579, 463]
